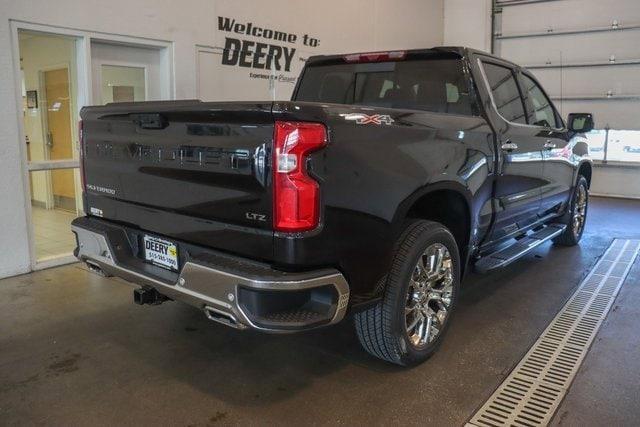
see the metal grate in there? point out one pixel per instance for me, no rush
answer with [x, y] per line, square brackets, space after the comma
[531, 393]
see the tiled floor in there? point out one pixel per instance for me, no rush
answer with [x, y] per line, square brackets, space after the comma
[52, 232]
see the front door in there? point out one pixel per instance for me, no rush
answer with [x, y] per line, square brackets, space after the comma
[520, 177]
[558, 168]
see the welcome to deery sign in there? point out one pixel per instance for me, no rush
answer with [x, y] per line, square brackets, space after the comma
[274, 50]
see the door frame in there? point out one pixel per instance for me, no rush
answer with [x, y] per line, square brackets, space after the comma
[84, 96]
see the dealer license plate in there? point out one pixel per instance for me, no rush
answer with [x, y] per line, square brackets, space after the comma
[161, 252]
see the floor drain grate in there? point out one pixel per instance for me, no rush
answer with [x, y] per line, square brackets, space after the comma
[531, 393]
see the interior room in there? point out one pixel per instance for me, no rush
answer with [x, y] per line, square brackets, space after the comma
[417, 212]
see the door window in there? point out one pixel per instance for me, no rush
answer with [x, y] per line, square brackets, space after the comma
[505, 92]
[540, 111]
[122, 84]
[128, 73]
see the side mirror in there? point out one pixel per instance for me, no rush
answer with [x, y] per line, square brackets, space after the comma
[580, 122]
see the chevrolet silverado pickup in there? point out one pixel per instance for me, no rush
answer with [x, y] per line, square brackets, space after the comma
[367, 196]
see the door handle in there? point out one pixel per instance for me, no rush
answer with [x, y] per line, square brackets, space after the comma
[509, 146]
[549, 145]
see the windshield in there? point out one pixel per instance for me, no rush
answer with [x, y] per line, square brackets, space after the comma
[437, 85]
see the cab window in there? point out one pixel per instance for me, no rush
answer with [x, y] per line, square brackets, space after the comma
[506, 94]
[437, 85]
[540, 111]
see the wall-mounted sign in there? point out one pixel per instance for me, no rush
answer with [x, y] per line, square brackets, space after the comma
[268, 49]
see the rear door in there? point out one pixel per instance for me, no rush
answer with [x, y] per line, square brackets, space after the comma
[520, 178]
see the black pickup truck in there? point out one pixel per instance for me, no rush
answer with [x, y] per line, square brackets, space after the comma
[385, 179]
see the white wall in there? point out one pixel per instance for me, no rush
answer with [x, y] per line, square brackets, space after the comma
[468, 23]
[344, 26]
[361, 25]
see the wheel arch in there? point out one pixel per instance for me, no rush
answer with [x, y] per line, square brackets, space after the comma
[585, 169]
[448, 203]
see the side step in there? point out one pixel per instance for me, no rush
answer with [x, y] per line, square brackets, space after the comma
[506, 256]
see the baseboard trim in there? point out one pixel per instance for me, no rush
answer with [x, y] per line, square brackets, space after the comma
[64, 202]
[54, 261]
[38, 204]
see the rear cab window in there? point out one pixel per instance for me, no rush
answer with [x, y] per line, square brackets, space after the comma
[437, 84]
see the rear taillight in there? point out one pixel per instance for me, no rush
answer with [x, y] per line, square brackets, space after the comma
[395, 55]
[296, 204]
[81, 149]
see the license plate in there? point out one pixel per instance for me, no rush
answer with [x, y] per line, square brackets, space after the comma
[161, 252]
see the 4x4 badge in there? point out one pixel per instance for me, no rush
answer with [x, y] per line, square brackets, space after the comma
[366, 119]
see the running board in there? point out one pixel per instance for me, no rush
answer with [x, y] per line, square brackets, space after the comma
[516, 251]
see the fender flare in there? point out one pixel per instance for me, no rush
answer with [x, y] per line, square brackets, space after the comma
[579, 166]
[454, 186]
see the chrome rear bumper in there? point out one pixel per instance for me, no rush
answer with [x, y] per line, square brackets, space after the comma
[241, 300]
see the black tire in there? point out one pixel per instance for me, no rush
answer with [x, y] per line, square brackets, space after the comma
[573, 233]
[382, 328]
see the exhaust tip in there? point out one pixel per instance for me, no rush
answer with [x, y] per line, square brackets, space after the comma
[222, 317]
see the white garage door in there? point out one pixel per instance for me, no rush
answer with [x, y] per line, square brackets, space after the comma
[586, 53]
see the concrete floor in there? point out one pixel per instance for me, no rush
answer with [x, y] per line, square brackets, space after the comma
[74, 350]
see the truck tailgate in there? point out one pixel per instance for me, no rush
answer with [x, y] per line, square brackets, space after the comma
[189, 170]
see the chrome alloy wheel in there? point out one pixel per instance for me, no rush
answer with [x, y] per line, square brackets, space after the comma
[429, 295]
[580, 210]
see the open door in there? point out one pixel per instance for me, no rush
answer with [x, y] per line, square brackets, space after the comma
[49, 69]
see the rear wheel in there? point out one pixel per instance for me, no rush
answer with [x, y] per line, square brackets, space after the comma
[577, 215]
[408, 324]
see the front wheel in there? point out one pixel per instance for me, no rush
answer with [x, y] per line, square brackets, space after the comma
[408, 324]
[577, 215]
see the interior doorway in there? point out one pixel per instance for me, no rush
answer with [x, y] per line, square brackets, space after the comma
[49, 66]
[127, 73]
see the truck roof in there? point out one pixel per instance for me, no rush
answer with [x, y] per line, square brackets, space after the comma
[459, 51]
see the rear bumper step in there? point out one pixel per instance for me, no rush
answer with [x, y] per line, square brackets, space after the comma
[520, 248]
[237, 293]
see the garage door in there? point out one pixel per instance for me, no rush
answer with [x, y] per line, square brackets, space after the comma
[586, 53]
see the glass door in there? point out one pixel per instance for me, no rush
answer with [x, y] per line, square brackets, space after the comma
[49, 72]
